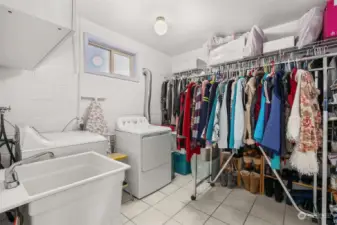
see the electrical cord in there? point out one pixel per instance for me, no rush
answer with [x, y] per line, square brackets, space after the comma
[76, 118]
[3, 132]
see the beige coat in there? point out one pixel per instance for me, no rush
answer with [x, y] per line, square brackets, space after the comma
[250, 91]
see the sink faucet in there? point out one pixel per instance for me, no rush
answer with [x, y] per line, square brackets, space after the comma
[11, 177]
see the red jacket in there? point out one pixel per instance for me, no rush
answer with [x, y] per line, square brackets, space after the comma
[293, 86]
[187, 124]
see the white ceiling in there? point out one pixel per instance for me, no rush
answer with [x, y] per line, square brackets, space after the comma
[191, 22]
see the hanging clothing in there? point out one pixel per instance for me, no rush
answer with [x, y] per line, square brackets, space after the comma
[180, 138]
[257, 99]
[259, 129]
[229, 107]
[232, 119]
[268, 86]
[239, 118]
[164, 114]
[223, 120]
[212, 97]
[216, 125]
[193, 93]
[196, 120]
[187, 124]
[203, 87]
[250, 92]
[203, 112]
[210, 126]
[293, 87]
[294, 126]
[272, 134]
[304, 157]
[172, 115]
[169, 101]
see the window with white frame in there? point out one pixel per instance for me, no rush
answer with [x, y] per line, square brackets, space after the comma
[101, 58]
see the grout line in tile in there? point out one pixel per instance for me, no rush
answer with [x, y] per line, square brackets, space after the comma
[259, 216]
[248, 214]
[218, 207]
[284, 214]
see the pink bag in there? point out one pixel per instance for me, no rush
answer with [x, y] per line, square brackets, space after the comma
[330, 20]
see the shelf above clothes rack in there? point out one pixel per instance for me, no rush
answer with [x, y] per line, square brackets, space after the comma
[318, 48]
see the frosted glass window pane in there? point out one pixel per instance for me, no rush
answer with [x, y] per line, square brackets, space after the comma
[122, 65]
[98, 59]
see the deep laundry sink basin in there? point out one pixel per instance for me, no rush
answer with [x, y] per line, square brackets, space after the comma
[55, 175]
[77, 189]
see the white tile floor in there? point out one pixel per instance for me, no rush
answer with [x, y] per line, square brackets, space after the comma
[214, 206]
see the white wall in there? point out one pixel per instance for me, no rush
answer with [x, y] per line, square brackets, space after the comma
[187, 60]
[282, 30]
[47, 98]
[125, 97]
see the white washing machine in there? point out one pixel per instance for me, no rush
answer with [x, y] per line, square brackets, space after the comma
[149, 154]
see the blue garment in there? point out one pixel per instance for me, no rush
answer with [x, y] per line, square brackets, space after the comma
[259, 128]
[272, 134]
[210, 126]
[210, 105]
[276, 162]
[231, 135]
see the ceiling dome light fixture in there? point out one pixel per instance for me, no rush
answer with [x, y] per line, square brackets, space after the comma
[160, 27]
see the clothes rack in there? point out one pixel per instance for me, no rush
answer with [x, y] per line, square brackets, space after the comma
[237, 66]
[302, 214]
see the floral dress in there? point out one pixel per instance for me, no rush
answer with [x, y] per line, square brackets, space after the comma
[311, 131]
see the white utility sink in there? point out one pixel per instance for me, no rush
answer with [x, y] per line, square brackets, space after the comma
[78, 189]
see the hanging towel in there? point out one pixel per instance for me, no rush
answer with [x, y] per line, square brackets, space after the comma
[94, 119]
[259, 129]
[223, 121]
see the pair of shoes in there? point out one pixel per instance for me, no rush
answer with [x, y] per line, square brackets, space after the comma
[278, 191]
[228, 179]
[273, 187]
[251, 181]
[224, 179]
[269, 186]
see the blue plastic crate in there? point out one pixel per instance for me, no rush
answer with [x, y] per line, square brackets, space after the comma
[181, 166]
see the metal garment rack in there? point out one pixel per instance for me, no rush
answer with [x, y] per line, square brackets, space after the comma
[301, 214]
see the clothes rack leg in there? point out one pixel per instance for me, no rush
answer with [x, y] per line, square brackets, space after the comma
[301, 215]
[325, 141]
[193, 197]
